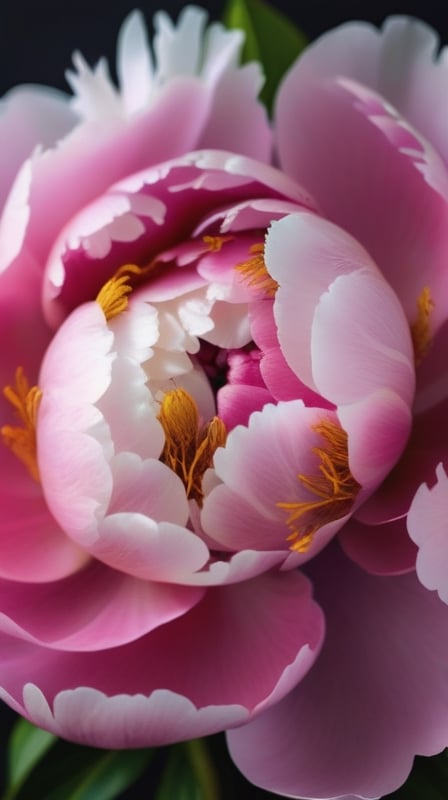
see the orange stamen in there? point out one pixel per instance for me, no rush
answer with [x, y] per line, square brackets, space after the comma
[420, 329]
[21, 439]
[189, 448]
[255, 273]
[334, 487]
[215, 243]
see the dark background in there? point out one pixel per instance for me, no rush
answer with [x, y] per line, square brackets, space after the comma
[38, 37]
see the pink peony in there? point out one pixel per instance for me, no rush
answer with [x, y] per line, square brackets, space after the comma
[213, 377]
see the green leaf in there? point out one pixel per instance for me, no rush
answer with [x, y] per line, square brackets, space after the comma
[27, 745]
[271, 39]
[188, 774]
[73, 772]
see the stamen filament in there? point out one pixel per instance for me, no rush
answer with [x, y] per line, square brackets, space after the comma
[255, 273]
[21, 439]
[334, 486]
[189, 448]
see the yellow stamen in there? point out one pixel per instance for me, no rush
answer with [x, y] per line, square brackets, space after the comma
[420, 329]
[113, 297]
[21, 439]
[214, 243]
[334, 487]
[255, 273]
[189, 448]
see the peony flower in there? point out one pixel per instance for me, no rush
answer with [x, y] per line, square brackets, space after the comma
[359, 121]
[215, 381]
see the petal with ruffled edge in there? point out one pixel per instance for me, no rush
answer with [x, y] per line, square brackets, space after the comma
[251, 643]
[398, 210]
[259, 469]
[380, 685]
[427, 528]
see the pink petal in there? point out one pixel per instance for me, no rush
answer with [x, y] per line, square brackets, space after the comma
[379, 549]
[252, 642]
[34, 548]
[380, 679]
[93, 610]
[427, 528]
[371, 137]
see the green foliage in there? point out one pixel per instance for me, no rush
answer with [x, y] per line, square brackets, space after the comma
[271, 39]
[41, 766]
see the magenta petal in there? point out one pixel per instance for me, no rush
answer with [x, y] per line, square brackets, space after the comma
[34, 548]
[252, 642]
[379, 549]
[377, 695]
[80, 613]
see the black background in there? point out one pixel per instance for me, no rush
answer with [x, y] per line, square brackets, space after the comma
[37, 40]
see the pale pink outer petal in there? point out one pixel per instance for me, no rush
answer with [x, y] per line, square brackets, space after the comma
[307, 255]
[93, 610]
[403, 185]
[377, 695]
[399, 61]
[427, 528]
[253, 641]
[29, 116]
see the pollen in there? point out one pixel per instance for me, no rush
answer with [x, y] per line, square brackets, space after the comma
[333, 490]
[420, 329]
[189, 446]
[255, 273]
[21, 439]
[215, 243]
[113, 297]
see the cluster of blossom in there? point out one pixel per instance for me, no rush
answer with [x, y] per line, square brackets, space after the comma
[223, 500]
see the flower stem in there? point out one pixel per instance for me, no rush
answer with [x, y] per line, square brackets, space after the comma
[203, 769]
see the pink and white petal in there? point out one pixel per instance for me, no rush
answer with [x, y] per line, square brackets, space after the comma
[305, 254]
[426, 447]
[427, 528]
[148, 487]
[360, 341]
[30, 116]
[378, 428]
[78, 361]
[73, 465]
[130, 411]
[135, 68]
[252, 642]
[237, 90]
[259, 469]
[237, 403]
[379, 549]
[99, 153]
[410, 241]
[34, 548]
[150, 550]
[260, 462]
[93, 610]
[381, 676]
[243, 565]
[89, 716]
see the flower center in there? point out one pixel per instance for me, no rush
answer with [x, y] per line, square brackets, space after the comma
[21, 439]
[255, 273]
[420, 329]
[189, 447]
[334, 488]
